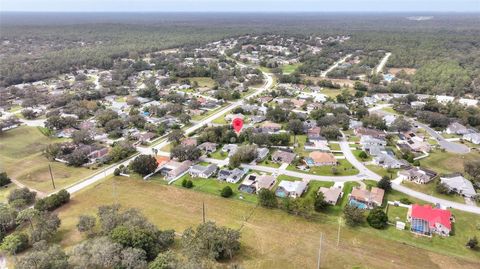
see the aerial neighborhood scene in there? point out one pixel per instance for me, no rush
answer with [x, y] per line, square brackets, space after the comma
[219, 135]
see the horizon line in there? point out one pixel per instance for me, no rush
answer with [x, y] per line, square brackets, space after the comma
[241, 12]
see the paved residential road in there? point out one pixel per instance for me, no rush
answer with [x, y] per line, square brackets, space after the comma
[365, 173]
[324, 73]
[447, 145]
[382, 63]
[148, 150]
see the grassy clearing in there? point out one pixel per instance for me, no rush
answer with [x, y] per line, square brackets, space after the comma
[392, 173]
[219, 155]
[389, 110]
[357, 155]
[334, 146]
[290, 68]
[203, 81]
[214, 186]
[5, 190]
[344, 168]
[21, 157]
[272, 238]
[446, 163]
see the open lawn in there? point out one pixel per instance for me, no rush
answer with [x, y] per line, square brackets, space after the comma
[344, 168]
[5, 190]
[289, 68]
[21, 157]
[273, 238]
[214, 186]
[446, 162]
[219, 155]
[390, 110]
[203, 81]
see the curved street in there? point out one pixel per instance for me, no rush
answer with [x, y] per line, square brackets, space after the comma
[365, 173]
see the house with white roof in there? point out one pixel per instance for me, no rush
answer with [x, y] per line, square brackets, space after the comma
[444, 99]
[293, 189]
[472, 137]
[468, 102]
[459, 184]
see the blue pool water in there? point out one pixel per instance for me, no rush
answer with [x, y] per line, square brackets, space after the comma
[358, 204]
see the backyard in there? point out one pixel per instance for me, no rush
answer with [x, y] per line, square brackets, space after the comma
[21, 156]
[273, 238]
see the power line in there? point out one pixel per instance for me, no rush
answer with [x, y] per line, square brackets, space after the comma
[319, 251]
[51, 175]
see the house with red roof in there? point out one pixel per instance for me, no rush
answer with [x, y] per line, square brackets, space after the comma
[427, 220]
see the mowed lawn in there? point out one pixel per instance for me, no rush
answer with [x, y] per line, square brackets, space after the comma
[289, 68]
[21, 156]
[270, 238]
[446, 162]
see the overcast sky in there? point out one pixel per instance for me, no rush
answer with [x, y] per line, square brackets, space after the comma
[240, 5]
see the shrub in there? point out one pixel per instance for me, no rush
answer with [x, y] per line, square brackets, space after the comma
[267, 198]
[184, 182]
[189, 184]
[15, 243]
[226, 192]
[53, 201]
[377, 218]
[4, 179]
[116, 172]
[405, 201]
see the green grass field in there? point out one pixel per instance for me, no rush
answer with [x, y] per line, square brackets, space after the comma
[5, 190]
[446, 163]
[289, 68]
[344, 168]
[203, 81]
[273, 238]
[21, 157]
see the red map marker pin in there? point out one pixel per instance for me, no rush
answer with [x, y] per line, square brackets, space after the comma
[237, 124]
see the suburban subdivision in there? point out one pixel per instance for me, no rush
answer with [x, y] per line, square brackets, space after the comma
[210, 145]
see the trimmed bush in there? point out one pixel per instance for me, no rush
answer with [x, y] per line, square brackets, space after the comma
[53, 201]
[226, 192]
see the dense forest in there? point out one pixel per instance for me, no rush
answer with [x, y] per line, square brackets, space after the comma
[38, 46]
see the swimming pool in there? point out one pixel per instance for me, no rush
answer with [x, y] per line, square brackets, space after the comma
[358, 204]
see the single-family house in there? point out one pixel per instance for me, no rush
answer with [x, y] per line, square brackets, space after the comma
[425, 220]
[371, 132]
[456, 128]
[189, 142]
[459, 184]
[318, 158]
[230, 149]
[388, 161]
[472, 137]
[417, 104]
[203, 171]
[331, 195]
[417, 175]
[207, 147]
[231, 176]
[468, 102]
[293, 189]
[271, 127]
[262, 153]
[174, 169]
[444, 99]
[364, 198]
[281, 156]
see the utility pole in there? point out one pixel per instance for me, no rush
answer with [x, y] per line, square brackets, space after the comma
[51, 175]
[338, 235]
[319, 251]
[203, 211]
